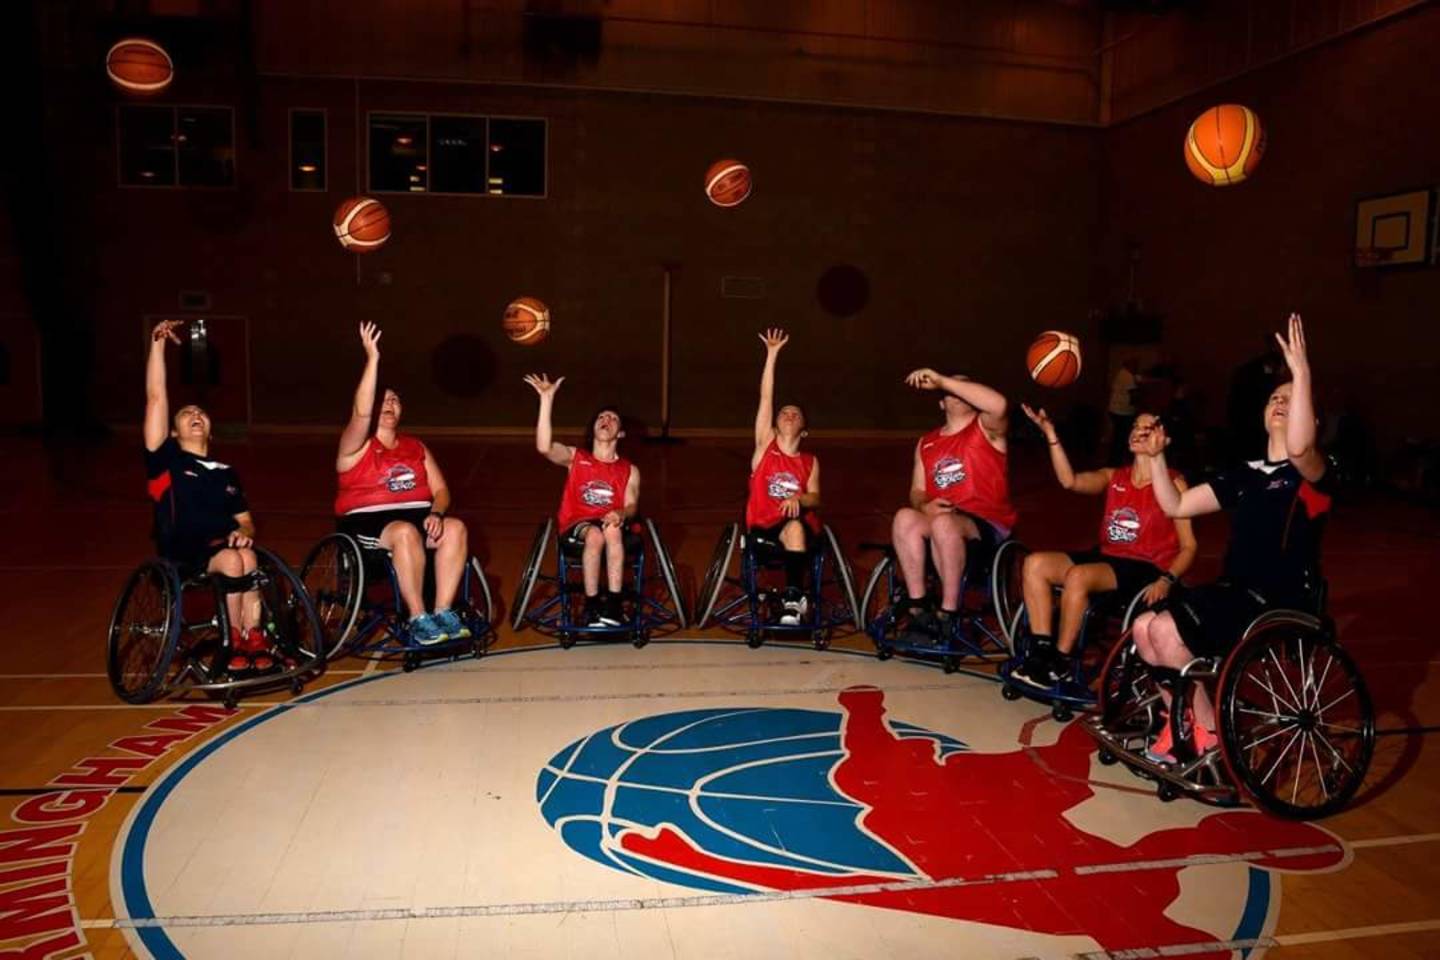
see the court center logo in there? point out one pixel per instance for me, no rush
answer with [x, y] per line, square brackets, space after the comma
[870, 810]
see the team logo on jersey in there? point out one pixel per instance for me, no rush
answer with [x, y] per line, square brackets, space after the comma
[400, 479]
[884, 813]
[948, 472]
[597, 493]
[1123, 526]
[782, 485]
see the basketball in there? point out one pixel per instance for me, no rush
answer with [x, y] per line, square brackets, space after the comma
[362, 224]
[1054, 359]
[1224, 145]
[527, 321]
[727, 183]
[139, 66]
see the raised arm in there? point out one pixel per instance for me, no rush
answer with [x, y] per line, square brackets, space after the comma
[1194, 502]
[557, 453]
[1300, 419]
[357, 430]
[994, 408]
[774, 339]
[157, 400]
[1088, 481]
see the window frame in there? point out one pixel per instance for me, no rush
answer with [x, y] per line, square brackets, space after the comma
[429, 160]
[175, 109]
[324, 149]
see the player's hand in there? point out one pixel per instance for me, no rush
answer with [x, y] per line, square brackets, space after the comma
[543, 384]
[165, 330]
[790, 507]
[238, 540]
[1292, 345]
[435, 528]
[774, 339]
[370, 340]
[612, 519]
[1157, 591]
[938, 506]
[1151, 442]
[1042, 420]
[923, 379]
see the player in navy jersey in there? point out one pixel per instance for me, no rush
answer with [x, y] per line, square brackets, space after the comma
[202, 519]
[1278, 507]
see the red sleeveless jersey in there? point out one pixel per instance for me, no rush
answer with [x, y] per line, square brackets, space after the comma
[964, 468]
[777, 477]
[1134, 526]
[384, 478]
[593, 489]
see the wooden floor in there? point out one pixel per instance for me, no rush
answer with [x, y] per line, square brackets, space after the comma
[77, 520]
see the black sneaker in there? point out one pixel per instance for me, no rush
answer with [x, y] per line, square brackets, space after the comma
[610, 612]
[591, 616]
[917, 624]
[795, 609]
[1033, 672]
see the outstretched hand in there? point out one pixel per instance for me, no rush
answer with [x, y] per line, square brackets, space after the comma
[1292, 345]
[923, 379]
[370, 339]
[165, 330]
[543, 384]
[1041, 419]
[774, 339]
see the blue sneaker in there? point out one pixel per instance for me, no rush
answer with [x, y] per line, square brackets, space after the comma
[425, 631]
[450, 622]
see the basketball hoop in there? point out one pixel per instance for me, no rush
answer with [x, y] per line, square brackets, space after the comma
[1372, 256]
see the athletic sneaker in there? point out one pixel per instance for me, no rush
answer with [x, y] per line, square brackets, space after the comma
[920, 627]
[239, 655]
[590, 617]
[1161, 749]
[794, 610]
[450, 622]
[425, 631]
[1038, 668]
[1205, 740]
[258, 646]
[610, 613]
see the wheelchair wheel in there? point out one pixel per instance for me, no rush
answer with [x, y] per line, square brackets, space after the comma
[334, 577]
[1006, 585]
[1133, 609]
[475, 593]
[287, 612]
[1297, 728]
[530, 572]
[667, 571]
[144, 631]
[844, 576]
[876, 598]
[715, 574]
[1129, 698]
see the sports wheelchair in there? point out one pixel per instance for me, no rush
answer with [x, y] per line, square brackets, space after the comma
[745, 604]
[357, 596]
[1295, 723]
[555, 610]
[1073, 692]
[170, 632]
[989, 596]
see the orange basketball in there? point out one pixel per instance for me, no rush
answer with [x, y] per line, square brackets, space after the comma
[1224, 145]
[362, 224]
[527, 321]
[727, 183]
[1054, 359]
[139, 66]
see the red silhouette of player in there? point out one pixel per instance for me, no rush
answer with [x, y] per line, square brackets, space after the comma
[973, 815]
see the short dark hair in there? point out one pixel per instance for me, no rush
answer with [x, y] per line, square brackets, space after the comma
[590, 425]
[805, 414]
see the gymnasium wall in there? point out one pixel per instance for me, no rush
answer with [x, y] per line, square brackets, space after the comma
[1346, 120]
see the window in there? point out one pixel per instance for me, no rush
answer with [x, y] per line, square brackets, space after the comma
[176, 146]
[415, 153]
[399, 161]
[307, 149]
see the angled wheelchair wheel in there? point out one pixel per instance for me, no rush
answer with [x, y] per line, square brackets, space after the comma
[334, 577]
[144, 631]
[1016, 632]
[1006, 585]
[844, 576]
[287, 613]
[1129, 697]
[1133, 609]
[876, 599]
[715, 574]
[667, 572]
[475, 593]
[1297, 728]
[531, 572]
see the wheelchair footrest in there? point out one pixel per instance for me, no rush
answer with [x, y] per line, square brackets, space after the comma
[1202, 778]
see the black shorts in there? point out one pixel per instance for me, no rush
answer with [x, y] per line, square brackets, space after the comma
[1131, 575]
[771, 535]
[573, 539]
[1212, 617]
[982, 550]
[191, 556]
[367, 526]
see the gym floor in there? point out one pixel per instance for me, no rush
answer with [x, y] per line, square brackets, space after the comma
[428, 814]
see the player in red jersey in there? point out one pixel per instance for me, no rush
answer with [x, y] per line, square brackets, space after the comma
[602, 493]
[1140, 549]
[393, 497]
[202, 519]
[959, 496]
[784, 483]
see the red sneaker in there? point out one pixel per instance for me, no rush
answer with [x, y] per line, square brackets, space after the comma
[239, 653]
[1204, 740]
[258, 646]
[1161, 748]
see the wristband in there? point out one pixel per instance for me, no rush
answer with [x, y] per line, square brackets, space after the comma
[1169, 577]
